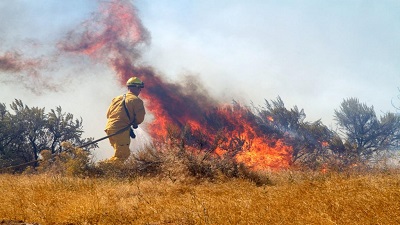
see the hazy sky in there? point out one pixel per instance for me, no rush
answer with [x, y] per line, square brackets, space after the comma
[313, 54]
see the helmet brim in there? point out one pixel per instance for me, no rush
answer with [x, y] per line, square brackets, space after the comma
[136, 85]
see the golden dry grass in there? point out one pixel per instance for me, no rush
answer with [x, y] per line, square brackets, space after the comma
[295, 198]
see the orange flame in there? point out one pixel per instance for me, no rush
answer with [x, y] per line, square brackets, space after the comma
[255, 149]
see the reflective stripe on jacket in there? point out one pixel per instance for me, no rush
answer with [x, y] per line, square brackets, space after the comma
[116, 114]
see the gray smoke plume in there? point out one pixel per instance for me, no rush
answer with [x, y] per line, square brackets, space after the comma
[15, 68]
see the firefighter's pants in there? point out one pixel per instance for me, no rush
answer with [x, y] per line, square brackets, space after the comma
[120, 143]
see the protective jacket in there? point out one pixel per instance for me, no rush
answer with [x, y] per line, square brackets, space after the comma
[116, 114]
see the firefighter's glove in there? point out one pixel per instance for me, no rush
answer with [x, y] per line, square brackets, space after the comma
[131, 132]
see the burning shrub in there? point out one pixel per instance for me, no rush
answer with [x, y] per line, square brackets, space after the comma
[187, 163]
[179, 165]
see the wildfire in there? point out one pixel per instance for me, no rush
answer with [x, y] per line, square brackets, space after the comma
[266, 155]
[113, 35]
[252, 146]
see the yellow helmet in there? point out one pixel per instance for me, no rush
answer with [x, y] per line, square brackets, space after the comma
[135, 82]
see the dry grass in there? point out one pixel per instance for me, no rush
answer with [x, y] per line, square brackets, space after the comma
[294, 198]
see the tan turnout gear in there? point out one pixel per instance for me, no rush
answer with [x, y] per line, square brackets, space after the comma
[116, 115]
[118, 119]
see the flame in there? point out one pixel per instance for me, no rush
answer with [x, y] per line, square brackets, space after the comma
[254, 148]
[264, 155]
[110, 35]
[113, 36]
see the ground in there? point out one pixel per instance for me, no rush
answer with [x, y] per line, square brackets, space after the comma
[15, 222]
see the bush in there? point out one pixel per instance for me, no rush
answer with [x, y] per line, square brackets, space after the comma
[179, 165]
[73, 161]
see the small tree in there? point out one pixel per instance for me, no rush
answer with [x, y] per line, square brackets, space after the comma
[279, 122]
[27, 131]
[365, 134]
[30, 124]
[309, 140]
[63, 127]
[312, 144]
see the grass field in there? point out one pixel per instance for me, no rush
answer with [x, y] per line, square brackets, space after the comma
[291, 198]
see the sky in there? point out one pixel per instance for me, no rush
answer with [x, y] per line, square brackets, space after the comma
[313, 54]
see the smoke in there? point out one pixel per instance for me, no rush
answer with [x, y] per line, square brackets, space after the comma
[11, 62]
[115, 35]
[112, 35]
[29, 60]
[25, 71]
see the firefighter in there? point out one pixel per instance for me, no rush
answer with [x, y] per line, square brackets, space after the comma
[125, 110]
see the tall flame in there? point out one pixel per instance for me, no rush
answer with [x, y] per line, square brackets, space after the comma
[113, 36]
